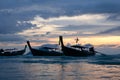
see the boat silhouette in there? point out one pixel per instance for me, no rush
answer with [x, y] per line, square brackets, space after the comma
[10, 52]
[44, 51]
[77, 51]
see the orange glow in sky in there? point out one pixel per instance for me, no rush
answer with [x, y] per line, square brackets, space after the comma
[92, 40]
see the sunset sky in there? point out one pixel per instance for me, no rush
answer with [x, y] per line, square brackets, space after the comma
[42, 21]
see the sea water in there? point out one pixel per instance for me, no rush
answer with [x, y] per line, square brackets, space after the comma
[60, 68]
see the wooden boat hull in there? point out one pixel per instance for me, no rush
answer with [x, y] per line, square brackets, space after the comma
[70, 51]
[41, 52]
[36, 52]
[14, 53]
[77, 53]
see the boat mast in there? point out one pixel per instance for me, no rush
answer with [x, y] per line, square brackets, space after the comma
[61, 41]
[29, 46]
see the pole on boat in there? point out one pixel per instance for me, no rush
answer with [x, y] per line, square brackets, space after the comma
[28, 42]
[61, 41]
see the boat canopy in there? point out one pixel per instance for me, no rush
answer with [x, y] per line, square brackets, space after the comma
[50, 46]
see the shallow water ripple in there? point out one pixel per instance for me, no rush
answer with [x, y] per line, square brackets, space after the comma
[59, 68]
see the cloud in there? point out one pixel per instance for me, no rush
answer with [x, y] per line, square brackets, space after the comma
[109, 46]
[12, 27]
[55, 12]
[72, 25]
[36, 19]
[112, 31]
[11, 38]
[83, 28]
[114, 17]
[9, 23]
[35, 8]
[52, 8]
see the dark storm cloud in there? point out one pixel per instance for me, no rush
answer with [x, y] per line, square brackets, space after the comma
[42, 35]
[9, 25]
[86, 27]
[112, 31]
[89, 6]
[11, 38]
[12, 11]
[70, 28]
[64, 7]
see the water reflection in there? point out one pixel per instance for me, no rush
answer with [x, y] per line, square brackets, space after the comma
[59, 68]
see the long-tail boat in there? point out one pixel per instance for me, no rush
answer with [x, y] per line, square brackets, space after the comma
[12, 52]
[44, 51]
[75, 50]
